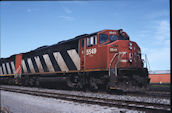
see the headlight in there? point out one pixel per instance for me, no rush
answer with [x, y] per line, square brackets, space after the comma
[130, 60]
[113, 49]
[130, 45]
[130, 57]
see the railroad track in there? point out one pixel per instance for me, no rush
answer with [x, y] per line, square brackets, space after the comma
[160, 94]
[155, 94]
[135, 105]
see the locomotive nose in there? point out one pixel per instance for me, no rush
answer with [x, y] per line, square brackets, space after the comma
[122, 52]
[125, 66]
[127, 55]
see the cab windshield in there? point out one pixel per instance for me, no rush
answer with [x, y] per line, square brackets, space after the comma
[103, 38]
[110, 38]
[121, 37]
[113, 38]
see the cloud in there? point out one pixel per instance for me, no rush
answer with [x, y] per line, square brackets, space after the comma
[156, 32]
[67, 18]
[29, 10]
[158, 47]
[67, 10]
[162, 34]
[159, 59]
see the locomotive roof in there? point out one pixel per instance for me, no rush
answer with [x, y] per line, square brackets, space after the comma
[69, 40]
[78, 37]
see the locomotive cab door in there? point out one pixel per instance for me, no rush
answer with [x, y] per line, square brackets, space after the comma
[88, 50]
[82, 53]
[91, 52]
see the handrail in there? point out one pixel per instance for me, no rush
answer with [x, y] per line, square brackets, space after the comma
[146, 61]
[112, 61]
[119, 57]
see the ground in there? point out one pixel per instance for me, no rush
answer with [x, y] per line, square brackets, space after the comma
[23, 103]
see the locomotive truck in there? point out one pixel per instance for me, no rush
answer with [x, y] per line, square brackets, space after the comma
[105, 59]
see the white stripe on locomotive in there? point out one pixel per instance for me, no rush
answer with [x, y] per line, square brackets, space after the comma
[38, 63]
[30, 65]
[1, 70]
[123, 60]
[24, 66]
[75, 58]
[60, 61]
[13, 67]
[48, 63]
[4, 70]
[8, 68]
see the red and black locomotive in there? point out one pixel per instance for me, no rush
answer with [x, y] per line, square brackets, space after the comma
[102, 60]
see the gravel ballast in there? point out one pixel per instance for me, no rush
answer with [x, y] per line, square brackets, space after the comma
[23, 103]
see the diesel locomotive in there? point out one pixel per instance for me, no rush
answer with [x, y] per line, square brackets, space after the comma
[105, 59]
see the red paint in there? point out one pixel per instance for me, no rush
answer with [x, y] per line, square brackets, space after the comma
[159, 78]
[18, 64]
[123, 46]
[102, 58]
[82, 53]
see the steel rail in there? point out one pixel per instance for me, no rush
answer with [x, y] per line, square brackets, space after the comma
[135, 105]
[153, 94]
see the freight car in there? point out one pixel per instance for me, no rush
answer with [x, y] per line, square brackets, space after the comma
[160, 81]
[105, 59]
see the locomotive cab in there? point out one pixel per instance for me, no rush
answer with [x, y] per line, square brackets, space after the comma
[93, 49]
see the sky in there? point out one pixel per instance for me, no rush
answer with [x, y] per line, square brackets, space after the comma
[27, 25]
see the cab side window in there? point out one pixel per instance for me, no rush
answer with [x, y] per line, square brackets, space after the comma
[82, 43]
[103, 38]
[91, 41]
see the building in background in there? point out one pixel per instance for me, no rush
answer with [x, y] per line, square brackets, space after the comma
[160, 77]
